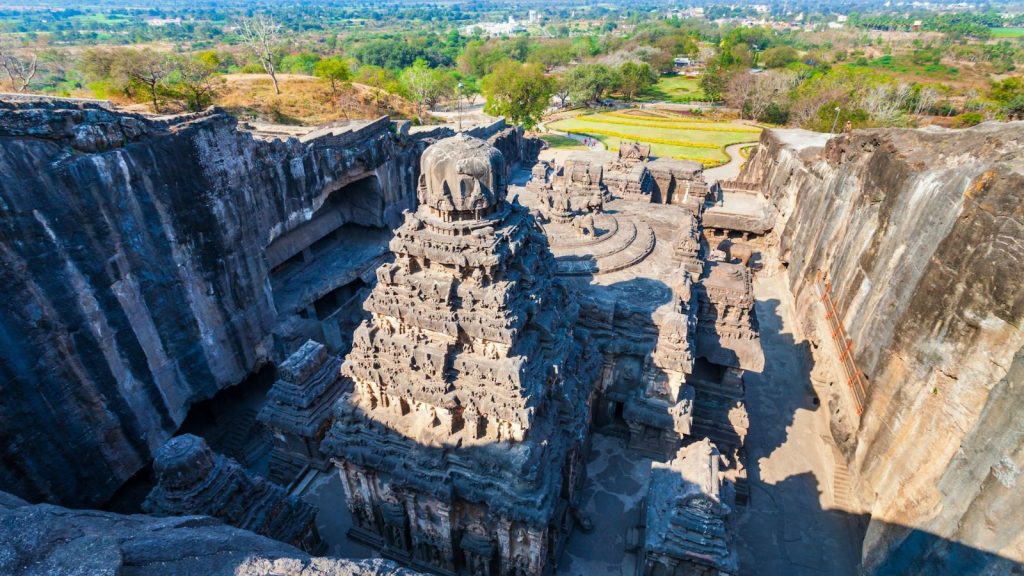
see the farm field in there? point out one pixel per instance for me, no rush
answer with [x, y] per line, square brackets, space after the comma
[673, 137]
[675, 89]
[1008, 32]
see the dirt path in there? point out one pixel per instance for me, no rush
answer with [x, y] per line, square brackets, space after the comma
[731, 170]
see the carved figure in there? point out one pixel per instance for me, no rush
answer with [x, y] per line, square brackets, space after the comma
[585, 225]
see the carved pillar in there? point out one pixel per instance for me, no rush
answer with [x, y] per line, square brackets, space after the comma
[360, 498]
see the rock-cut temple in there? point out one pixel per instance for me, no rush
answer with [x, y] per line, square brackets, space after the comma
[462, 444]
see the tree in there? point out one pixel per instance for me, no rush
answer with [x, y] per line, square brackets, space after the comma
[635, 78]
[561, 91]
[300, 63]
[260, 35]
[147, 67]
[426, 85]
[714, 81]
[194, 78]
[590, 82]
[97, 65]
[334, 70]
[779, 57]
[380, 79]
[519, 92]
[20, 66]
[754, 94]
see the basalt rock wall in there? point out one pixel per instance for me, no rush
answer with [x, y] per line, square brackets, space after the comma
[919, 234]
[131, 256]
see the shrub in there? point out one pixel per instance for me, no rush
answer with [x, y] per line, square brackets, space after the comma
[968, 119]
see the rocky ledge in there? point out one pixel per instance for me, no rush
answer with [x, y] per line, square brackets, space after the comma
[42, 539]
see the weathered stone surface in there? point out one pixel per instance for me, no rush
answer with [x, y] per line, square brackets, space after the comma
[192, 479]
[689, 522]
[727, 332]
[461, 446]
[131, 252]
[300, 408]
[920, 235]
[41, 539]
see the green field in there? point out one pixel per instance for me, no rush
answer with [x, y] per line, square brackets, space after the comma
[1008, 32]
[675, 89]
[101, 19]
[904, 65]
[556, 141]
[673, 137]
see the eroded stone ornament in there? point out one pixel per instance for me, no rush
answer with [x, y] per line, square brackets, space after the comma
[461, 447]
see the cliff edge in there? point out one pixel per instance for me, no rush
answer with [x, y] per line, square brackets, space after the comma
[916, 238]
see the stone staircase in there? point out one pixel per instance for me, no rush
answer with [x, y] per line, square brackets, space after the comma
[842, 487]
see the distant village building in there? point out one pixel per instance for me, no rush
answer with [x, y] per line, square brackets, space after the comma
[157, 22]
[494, 29]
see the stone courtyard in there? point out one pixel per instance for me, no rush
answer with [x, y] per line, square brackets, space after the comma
[791, 515]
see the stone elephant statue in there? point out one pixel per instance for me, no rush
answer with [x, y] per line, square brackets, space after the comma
[742, 252]
[585, 224]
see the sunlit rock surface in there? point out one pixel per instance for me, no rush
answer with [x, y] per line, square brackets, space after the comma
[919, 234]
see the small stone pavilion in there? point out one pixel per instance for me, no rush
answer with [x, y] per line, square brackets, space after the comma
[192, 479]
[300, 408]
[462, 447]
[688, 523]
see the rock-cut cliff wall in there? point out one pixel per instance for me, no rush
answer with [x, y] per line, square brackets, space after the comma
[134, 279]
[920, 235]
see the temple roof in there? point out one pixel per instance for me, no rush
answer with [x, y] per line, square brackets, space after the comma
[462, 173]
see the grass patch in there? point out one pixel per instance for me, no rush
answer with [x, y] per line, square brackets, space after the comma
[1007, 32]
[101, 19]
[558, 141]
[676, 89]
[702, 141]
[903, 65]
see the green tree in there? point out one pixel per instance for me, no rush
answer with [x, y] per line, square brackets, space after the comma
[635, 78]
[425, 85]
[146, 67]
[333, 69]
[779, 57]
[380, 79]
[195, 79]
[714, 81]
[300, 63]
[519, 92]
[588, 83]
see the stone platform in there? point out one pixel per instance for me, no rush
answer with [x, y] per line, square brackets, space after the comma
[616, 245]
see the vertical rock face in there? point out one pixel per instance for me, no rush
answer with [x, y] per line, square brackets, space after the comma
[916, 237]
[132, 257]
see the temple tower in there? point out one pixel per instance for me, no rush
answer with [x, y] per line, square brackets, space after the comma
[192, 479]
[462, 445]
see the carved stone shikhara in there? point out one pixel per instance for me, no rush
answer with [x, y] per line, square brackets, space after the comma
[461, 447]
[299, 410]
[192, 479]
[688, 523]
